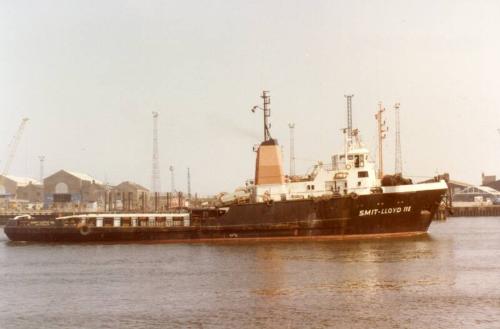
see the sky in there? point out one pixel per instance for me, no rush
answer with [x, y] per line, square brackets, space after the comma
[88, 75]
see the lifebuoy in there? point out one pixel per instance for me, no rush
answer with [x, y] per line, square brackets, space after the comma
[84, 230]
[353, 195]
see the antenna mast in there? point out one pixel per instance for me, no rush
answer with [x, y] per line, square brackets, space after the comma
[291, 125]
[382, 129]
[155, 176]
[398, 166]
[267, 113]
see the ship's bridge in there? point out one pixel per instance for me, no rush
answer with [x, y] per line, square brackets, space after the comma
[354, 158]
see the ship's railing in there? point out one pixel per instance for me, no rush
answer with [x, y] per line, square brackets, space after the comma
[180, 220]
[131, 221]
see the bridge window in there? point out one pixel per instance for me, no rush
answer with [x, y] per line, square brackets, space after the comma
[362, 174]
[356, 161]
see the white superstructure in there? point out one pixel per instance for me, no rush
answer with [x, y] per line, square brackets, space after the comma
[351, 172]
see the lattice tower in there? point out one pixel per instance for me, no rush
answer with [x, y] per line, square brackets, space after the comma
[155, 175]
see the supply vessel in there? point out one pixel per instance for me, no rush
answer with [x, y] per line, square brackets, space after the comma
[343, 199]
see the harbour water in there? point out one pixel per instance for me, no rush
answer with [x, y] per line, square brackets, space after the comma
[449, 278]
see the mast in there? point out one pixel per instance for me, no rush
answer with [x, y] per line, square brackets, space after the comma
[382, 129]
[398, 166]
[291, 125]
[349, 118]
[267, 113]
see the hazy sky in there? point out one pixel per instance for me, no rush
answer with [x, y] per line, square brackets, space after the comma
[88, 74]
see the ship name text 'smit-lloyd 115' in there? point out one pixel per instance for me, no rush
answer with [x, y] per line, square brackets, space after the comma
[384, 211]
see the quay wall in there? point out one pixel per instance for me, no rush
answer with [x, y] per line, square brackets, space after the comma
[475, 211]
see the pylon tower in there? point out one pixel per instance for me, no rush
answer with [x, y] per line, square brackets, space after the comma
[155, 175]
[398, 165]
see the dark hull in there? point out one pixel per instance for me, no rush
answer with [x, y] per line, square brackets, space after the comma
[343, 217]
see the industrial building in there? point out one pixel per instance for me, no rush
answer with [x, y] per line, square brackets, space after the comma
[130, 195]
[477, 194]
[20, 193]
[66, 189]
[33, 192]
[26, 188]
[491, 181]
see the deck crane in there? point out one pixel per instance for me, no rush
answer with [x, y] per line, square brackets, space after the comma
[13, 147]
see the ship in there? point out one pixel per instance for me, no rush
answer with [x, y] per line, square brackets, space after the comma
[344, 199]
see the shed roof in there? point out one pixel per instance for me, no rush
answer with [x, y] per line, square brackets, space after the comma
[80, 176]
[134, 185]
[23, 181]
[479, 189]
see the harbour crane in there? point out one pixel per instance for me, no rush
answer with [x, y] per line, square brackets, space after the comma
[13, 147]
